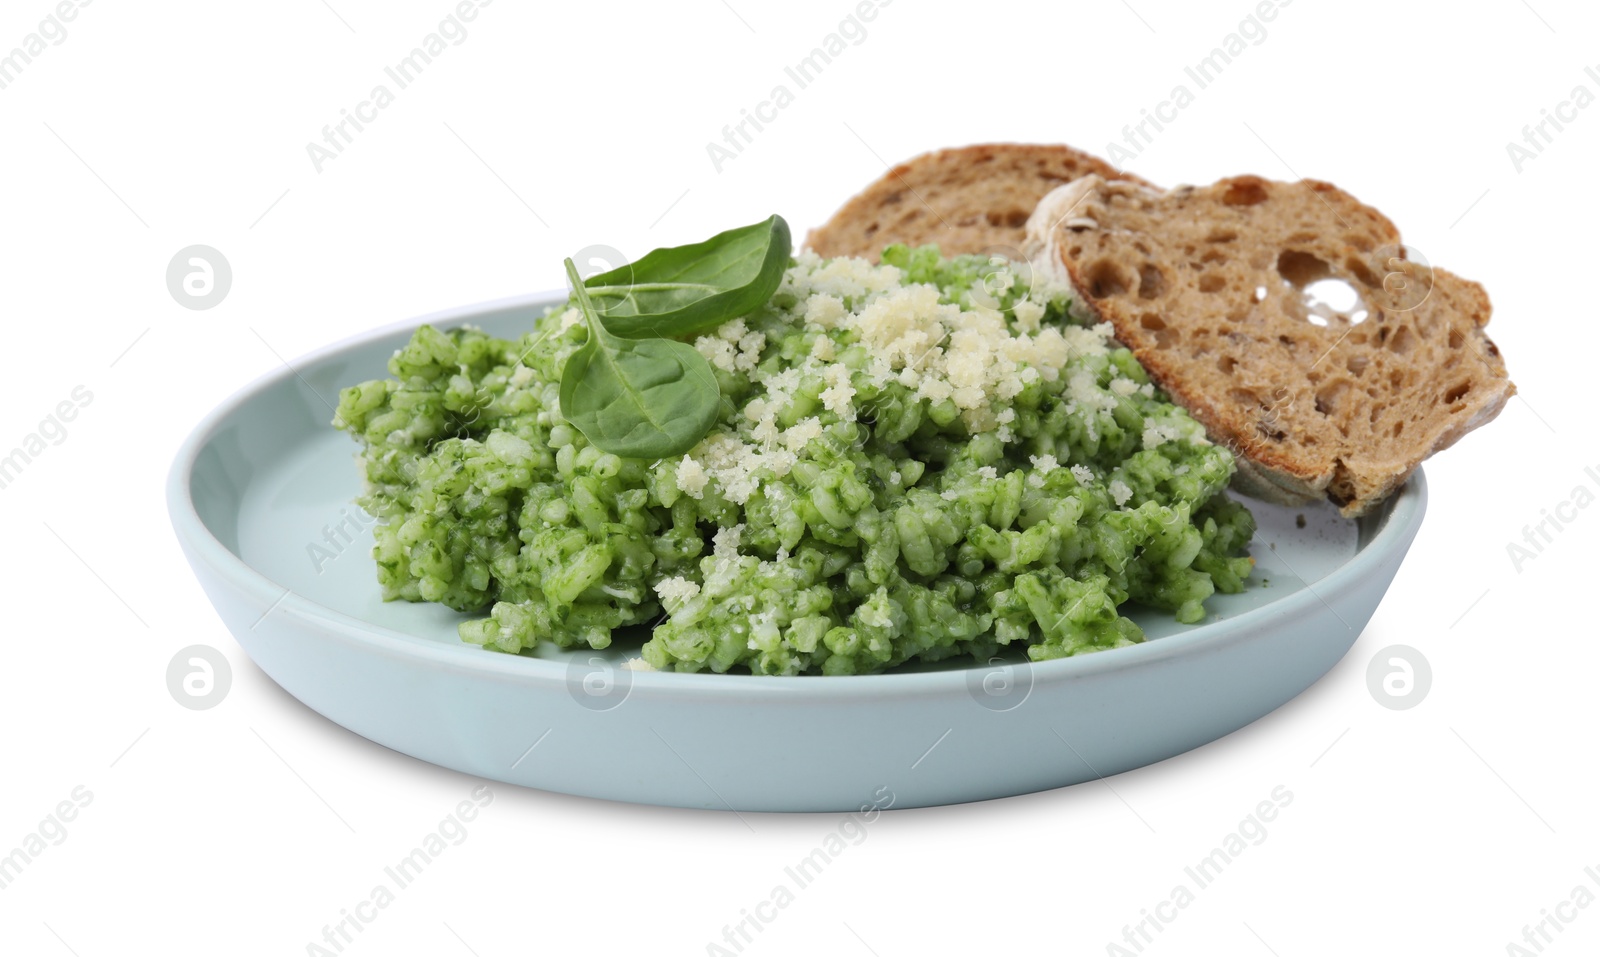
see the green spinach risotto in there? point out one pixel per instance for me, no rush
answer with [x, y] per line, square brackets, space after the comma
[915, 460]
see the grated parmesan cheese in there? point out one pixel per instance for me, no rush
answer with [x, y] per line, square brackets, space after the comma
[798, 435]
[677, 590]
[1029, 314]
[725, 543]
[691, 478]
[824, 310]
[1157, 433]
[836, 398]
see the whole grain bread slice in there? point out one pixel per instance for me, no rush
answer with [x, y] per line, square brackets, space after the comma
[1207, 286]
[972, 199]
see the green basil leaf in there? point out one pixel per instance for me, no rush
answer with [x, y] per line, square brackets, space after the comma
[683, 290]
[637, 398]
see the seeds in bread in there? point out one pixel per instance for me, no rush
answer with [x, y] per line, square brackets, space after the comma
[1206, 285]
[973, 199]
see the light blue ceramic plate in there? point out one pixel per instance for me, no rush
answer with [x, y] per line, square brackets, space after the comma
[260, 497]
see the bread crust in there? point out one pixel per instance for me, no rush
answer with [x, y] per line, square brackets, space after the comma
[1206, 286]
[969, 199]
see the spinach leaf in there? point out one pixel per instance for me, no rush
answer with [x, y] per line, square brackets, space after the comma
[683, 290]
[638, 398]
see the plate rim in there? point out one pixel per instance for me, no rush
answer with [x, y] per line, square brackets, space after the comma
[1397, 519]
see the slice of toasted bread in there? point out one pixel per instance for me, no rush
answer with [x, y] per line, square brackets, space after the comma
[975, 199]
[1207, 286]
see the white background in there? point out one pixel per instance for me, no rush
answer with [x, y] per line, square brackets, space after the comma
[151, 127]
